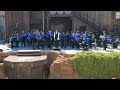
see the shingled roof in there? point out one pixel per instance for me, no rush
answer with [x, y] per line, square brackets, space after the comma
[2, 13]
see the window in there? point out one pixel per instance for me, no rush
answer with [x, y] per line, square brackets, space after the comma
[117, 15]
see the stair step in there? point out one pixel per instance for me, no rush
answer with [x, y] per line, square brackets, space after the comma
[28, 53]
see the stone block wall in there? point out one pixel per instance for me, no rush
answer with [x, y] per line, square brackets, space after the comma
[2, 72]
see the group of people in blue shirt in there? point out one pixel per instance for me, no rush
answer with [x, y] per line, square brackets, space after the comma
[65, 39]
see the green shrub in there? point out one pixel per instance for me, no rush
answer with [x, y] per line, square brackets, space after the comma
[97, 65]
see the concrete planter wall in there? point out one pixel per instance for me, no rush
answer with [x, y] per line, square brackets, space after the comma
[55, 66]
[21, 67]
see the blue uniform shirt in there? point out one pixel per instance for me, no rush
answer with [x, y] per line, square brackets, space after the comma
[73, 39]
[33, 35]
[29, 36]
[85, 39]
[23, 34]
[39, 36]
[48, 34]
[77, 36]
[105, 37]
[62, 35]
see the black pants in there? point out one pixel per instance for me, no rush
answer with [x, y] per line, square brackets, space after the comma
[23, 43]
[40, 43]
[12, 43]
[52, 40]
[16, 43]
[85, 47]
[105, 44]
[77, 45]
[29, 42]
[34, 43]
[90, 44]
[62, 43]
[98, 42]
[68, 41]
[115, 45]
[73, 43]
[56, 43]
[49, 42]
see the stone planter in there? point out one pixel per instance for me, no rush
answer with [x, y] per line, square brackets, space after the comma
[25, 67]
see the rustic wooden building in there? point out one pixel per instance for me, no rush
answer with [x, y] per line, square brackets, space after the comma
[16, 21]
[95, 21]
[2, 25]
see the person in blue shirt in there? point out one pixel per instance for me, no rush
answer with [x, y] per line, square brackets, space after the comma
[90, 39]
[16, 39]
[49, 38]
[33, 36]
[77, 36]
[80, 40]
[108, 39]
[104, 40]
[23, 39]
[52, 38]
[29, 39]
[62, 39]
[70, 35]
[39, 40]
[43, 39]
[73, 41]
[68, 38]
[85, 42]
[116, 42]
[12, 40]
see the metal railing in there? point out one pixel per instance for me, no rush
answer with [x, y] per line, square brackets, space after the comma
[90, 21]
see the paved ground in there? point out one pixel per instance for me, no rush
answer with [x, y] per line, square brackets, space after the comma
[6, 48]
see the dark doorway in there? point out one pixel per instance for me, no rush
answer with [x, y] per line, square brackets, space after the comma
[82, 28]
[35, 26]
[60, 23]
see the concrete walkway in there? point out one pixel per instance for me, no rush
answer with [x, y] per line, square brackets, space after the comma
[69, 50]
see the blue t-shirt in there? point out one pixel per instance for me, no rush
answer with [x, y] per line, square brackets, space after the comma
[39, 36]
[85, 39]
[105, 37]
[33, 35]
[77, 36]
[28, 36]
[62, 35]
[23, 34]
[48, 34]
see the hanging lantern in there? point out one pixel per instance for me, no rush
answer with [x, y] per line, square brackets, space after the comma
[67, 12]
[52, 12]
[60, 12]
